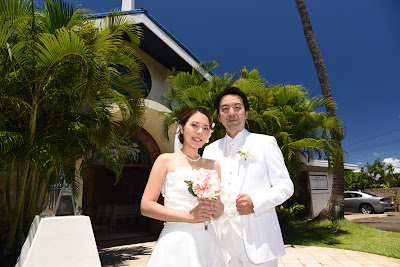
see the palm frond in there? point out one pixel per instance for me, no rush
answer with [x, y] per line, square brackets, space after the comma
[119, 25]
[172, 118]
[322, 145]
[5, 34]
[53, 48]
[13, 11]
[11, 104]
[10, 141]
[59, 14]
[258, 120]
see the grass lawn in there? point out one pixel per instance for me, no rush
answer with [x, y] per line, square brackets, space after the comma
[351, 236]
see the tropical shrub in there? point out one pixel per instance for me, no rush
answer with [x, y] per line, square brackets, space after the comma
[375, 175]
[286, 215]
[283, 111]
[59, 83]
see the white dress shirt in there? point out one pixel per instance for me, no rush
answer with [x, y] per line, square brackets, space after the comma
[232, 182]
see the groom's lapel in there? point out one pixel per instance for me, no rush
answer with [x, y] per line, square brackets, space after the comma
[244, 164]
[218, 154]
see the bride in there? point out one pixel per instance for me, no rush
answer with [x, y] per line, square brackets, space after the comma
[184, 240]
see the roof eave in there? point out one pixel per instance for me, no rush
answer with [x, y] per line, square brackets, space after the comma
[143, 16]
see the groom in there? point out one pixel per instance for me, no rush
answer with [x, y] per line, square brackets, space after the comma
[255, 180]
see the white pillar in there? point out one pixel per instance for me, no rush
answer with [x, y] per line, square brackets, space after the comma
[61, 241]
[128, 5]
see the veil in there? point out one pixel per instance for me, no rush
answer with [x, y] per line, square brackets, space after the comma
[177, 143]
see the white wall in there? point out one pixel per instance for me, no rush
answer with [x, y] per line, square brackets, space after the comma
[320, 197]
[153, 123]
[159, 75]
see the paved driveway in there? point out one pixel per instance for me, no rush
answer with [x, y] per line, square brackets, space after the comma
[136, 255]
[388, 221]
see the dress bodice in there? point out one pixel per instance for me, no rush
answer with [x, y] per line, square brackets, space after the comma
[175, 190]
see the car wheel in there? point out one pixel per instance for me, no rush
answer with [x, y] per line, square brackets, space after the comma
[366, 209]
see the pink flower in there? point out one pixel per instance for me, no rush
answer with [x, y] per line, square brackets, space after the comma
[204, 183]
[211, 131]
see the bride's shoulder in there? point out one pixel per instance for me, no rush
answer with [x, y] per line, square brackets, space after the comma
[165, 158]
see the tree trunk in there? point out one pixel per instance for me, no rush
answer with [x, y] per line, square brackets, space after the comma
[335, 207]
[16, 213]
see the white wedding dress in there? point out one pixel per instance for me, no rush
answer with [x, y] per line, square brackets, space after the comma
[184, 244]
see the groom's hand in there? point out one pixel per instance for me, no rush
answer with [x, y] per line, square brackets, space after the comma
[244, 204]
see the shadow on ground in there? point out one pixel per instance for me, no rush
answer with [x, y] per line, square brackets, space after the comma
[309, 232]
[117, 256]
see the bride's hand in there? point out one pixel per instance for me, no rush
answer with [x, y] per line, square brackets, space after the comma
[215, 205]
[200, 213]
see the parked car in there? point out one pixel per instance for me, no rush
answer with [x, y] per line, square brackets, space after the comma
[366, 203]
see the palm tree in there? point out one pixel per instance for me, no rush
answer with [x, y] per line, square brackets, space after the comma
[285, 112]
[289, 114]
[392, 178]
[59, 78]
[335, 206]
[185, 90]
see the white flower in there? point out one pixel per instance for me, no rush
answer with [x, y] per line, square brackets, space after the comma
[247, 154]
[211, 131]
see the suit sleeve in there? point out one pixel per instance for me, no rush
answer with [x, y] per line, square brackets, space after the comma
[281, 184]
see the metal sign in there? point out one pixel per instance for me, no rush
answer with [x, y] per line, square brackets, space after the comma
[319, 182]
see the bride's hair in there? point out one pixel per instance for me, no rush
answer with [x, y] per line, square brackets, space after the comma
[189, 113]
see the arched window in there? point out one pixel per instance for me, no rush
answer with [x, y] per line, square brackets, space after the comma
[145, 78]
[146, 81]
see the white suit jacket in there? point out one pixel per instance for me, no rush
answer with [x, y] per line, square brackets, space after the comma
[267, 182]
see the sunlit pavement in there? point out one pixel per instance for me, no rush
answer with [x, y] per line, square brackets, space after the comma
[317, 256]
[137, 255]
[357, 216]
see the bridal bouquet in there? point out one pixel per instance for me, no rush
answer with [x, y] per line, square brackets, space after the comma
[204, 183]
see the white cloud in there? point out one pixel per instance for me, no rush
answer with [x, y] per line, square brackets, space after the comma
[394, 162]
[359, 164]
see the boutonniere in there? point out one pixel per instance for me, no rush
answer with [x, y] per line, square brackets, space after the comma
[246, 153]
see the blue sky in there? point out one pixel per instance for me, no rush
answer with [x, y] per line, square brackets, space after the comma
[359, 41]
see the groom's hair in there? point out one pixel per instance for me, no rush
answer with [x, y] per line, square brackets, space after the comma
[232, 91]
